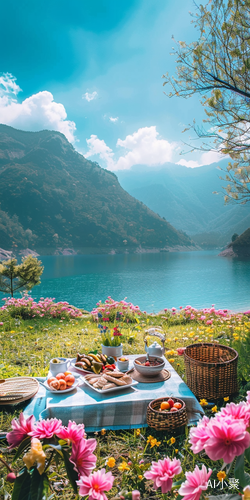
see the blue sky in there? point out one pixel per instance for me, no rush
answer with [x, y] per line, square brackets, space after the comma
[92, 69]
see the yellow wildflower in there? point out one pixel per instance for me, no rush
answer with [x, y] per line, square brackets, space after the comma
[124, 466]
[172, 440]
[171, 360]
[221, 475]
[154, 442]
[214, 409]
[140, 477]
[31, 327]
[149, 439]
[12, 331]
[203, 402]
[137, 432]
[111, 462]
[103, 432]
[36, 454]
[226, 399]
[176, 450]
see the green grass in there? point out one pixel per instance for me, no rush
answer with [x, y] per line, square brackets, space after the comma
[28, 345]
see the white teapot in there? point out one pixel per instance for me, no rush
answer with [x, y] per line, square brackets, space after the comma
[155, 349]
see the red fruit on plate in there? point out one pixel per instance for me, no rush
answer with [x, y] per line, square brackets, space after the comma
[69, 379]
[147, 363]
[60, 376]
[54, 384]
[62, 384]
[178, 406]
[50, 379]
[171, 403]
[173, 409]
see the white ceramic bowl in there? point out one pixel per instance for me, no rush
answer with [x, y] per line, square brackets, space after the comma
[56, 368]
[149, 371]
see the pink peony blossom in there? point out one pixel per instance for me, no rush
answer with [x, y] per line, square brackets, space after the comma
[82, 456]
[162, 473]
[228, 439]
[21, 428]
[72, 433]
[46, 428]
[136, 495]
[199, 435]
[180, 350]
[195, 484]
[240, 411]
[95, 484]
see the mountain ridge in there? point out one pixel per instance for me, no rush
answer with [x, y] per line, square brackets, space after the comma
[53, 198]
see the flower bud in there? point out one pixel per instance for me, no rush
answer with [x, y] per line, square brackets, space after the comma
[11, 477]
[136, 495]
[246, 492]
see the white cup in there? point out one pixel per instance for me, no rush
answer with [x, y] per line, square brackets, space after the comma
[122, 365]
[60, 366]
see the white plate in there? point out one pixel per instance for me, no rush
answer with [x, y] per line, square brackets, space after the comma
[73, 361]
[76, 383]
[113, 389]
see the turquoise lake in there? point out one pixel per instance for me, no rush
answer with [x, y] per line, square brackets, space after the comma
[151, 281]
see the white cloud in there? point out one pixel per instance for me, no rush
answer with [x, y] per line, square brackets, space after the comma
[188, 163]
[113, 119]
[99, 147]
[144, 149]
[90, 97]
[37, 112]
[8, 85]
[205, 159]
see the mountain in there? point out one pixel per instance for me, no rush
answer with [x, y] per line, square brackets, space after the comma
[53, 198]
[184, 196]
[240, 247]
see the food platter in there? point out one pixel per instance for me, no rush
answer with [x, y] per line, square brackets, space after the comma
[69, 389]
[81, 370]
[113, 389]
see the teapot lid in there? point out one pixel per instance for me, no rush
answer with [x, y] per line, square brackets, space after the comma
[155, 344]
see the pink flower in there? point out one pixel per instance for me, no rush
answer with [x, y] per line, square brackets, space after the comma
[228, 439]
[46, 428]
[162, 473]
[21, 428]
[196, 483]
[240, 411]
[82, 456]
[72, 433]
[199, 435]
[95, 484]
[136, 495]
[180, 350]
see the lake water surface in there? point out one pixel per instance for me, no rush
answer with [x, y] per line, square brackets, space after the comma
[151, 281]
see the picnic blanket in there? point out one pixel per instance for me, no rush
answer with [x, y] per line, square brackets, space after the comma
[125, 409]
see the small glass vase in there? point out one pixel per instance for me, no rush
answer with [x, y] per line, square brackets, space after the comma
[114, 351]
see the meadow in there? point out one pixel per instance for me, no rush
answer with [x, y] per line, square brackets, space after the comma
[32, 334]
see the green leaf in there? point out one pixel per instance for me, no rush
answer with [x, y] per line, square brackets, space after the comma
[24, 444]
[39, 485]
[21, 490]
[56, 447]
[247, 454]
[72, 474]
[239, 470]
[233, 496]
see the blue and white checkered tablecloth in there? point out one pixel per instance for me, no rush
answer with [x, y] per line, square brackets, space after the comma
[125, 409]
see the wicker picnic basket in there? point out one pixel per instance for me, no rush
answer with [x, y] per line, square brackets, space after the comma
[166, 421]
[211, 370]
[15, 390]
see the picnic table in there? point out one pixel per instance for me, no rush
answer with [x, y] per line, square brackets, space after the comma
[125, 409]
